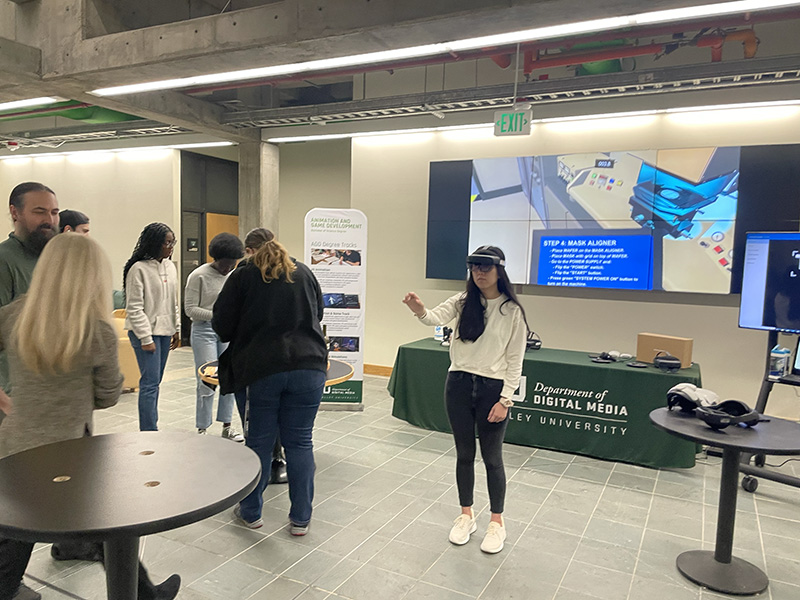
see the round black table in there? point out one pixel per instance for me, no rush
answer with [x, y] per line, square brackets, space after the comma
[719, 570]
[338, 372]
[116, 488]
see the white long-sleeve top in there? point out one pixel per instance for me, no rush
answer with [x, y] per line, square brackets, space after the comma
[202, 288]
[498, 352]
[151, 299]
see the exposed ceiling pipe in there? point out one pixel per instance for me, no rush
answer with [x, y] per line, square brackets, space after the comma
[743, 20]
[41, 111]
[715, 42]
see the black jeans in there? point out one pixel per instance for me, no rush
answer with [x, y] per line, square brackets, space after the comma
[14, 557]
[469, 398]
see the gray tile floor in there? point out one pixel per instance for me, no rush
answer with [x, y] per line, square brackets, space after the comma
[579, 528]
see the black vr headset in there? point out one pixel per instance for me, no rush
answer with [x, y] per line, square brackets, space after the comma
[729, 412]
[703, 403]
[486, 260]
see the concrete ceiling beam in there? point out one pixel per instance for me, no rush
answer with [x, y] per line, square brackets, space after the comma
[19, 64]
[291, 31]
[173, 108]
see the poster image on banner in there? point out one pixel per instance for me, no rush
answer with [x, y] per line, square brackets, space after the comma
[336, 251]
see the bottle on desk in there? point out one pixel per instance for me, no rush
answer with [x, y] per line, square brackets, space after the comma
[779, 362]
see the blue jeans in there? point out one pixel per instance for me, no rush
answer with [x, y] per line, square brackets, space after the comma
[207, 347]
[151, 369]
[284, 403]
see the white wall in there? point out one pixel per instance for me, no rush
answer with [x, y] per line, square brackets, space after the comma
[120, 192]
[389, 184]
[312, 175]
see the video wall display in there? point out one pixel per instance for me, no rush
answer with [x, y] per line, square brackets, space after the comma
[671, 219]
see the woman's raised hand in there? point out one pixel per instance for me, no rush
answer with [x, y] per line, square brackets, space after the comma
[414, 303]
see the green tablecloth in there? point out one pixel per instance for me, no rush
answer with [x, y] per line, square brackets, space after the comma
[570, 403]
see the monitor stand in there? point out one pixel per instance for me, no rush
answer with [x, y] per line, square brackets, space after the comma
[749, 482]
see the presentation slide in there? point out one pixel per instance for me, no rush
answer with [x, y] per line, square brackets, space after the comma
[608, 261]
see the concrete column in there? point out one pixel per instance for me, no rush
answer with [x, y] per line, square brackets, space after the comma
[258, 187]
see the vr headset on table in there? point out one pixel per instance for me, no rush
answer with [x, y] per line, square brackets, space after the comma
[703, 403]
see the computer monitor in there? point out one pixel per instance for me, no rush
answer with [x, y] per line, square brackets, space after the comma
[770, 297]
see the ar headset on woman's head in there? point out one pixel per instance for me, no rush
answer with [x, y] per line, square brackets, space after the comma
[484, 262]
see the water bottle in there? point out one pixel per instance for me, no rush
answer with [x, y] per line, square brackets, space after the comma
[778, 362]
[438, 333]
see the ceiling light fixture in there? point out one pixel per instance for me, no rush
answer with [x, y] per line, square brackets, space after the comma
[120, 150]
[400, 54]
[4, 106]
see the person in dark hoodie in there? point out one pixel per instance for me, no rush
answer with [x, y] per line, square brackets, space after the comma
[269, 310]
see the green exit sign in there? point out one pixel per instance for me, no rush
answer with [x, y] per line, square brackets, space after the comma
[517, 122]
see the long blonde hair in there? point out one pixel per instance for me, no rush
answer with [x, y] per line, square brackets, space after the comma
[70, 294]
[269, 255]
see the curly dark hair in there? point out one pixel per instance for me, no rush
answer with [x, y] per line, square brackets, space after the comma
[148, 247]
[225, 245]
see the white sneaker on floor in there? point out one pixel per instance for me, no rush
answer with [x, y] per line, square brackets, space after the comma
[463, 527]
[493, 540]
[229, 433]
[202, 431]
[237, 512]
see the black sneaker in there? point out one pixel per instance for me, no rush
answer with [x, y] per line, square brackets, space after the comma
[169, 588]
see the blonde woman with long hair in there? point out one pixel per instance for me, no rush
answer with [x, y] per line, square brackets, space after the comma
[62, 355]
[270, 310]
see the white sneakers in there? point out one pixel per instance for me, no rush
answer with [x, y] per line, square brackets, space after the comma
[464, 526]
[493, 540]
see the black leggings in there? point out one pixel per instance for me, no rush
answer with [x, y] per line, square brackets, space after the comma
[469, 398]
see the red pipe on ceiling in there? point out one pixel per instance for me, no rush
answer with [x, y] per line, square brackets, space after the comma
[506, 55]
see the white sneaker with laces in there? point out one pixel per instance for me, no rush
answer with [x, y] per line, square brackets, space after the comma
[463, 527]
[493, 540]
[229, 433]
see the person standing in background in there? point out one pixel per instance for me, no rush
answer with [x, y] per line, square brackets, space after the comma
[34, 211]
[202, 288]
[73, 220]
[151, 302]
[270, 310]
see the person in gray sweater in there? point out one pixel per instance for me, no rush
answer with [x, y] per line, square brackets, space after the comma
[202, 288]
[151, 301]
[62, 356]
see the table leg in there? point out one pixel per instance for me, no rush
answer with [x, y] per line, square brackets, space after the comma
[122, 568]
[719, 570]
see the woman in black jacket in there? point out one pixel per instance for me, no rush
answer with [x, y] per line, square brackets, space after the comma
[270, 310]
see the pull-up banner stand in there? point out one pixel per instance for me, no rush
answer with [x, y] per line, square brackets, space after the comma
[336, 251]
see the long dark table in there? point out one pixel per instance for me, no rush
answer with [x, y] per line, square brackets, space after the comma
[570, 403]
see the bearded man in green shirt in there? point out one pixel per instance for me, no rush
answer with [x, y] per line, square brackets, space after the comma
[34, 211]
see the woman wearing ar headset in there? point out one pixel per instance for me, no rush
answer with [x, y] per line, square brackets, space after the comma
[486, 355]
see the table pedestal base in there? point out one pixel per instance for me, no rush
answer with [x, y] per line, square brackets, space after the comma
[737, 577]
[122, 568]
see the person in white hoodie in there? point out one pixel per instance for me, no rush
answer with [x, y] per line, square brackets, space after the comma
[151, 301]
[486, 355]
[202, 288]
